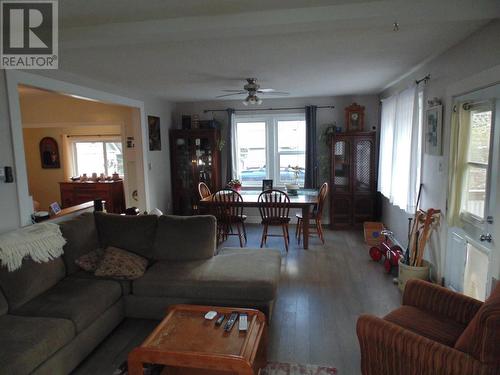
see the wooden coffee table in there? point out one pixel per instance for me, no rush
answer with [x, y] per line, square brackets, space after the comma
[187, 343]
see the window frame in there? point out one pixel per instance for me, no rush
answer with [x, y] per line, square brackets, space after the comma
[97, 139]
[466, 216]
[272, 150]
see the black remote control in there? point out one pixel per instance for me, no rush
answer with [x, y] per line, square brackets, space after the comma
[219, 320]
[230, 323]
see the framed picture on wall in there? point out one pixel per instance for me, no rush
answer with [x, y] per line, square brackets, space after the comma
[267, 185]
[49, 153]
[154, 133]
[434, 130]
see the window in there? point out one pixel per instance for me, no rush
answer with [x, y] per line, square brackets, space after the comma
[91, 156]
[270, 147]
[475, 181]
[401, 148]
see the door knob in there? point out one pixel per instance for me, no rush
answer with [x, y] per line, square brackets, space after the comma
[485, 237]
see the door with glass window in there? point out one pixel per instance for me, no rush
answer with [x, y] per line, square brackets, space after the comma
[479, 190]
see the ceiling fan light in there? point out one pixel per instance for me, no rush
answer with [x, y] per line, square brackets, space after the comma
[252, 100]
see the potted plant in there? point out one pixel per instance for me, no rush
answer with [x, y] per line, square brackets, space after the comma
[235, 184]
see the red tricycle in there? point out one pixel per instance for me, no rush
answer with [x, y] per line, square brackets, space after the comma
[387, 249]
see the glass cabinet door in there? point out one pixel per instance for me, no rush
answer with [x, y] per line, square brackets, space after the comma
[363, 176]
[203, 165]
[342, 165]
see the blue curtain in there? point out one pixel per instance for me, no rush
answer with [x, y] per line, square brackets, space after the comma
[229, 146]
[311, 177]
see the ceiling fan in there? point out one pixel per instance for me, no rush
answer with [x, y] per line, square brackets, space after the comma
[251, 89]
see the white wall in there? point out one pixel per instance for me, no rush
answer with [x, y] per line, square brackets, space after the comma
[158, 175]
[325, 117]
[477, 53]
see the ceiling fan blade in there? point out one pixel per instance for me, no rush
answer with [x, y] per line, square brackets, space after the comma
[266, 90]
[274, 92]
[235, 93]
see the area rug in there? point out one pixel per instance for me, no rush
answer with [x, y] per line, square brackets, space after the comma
[272, 368]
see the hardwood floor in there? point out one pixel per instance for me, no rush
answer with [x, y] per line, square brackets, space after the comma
[322, 291]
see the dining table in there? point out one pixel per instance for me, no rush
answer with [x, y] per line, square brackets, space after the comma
[306, 200]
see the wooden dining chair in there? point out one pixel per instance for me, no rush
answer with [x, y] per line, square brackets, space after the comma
[228, 213]
[274, 207]
[204, 190]
[316, 215]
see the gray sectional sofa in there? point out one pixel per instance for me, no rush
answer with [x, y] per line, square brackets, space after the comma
[52, 315]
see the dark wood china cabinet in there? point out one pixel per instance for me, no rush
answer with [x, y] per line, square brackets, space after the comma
[195, 158]
[353, 179]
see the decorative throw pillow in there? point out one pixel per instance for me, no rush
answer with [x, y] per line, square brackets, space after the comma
[89, 262]
[121, 264]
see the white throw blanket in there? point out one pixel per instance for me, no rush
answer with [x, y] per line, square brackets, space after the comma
[42, 242]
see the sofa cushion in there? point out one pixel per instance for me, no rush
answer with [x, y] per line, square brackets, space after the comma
[4, 307]
[481, 338]
[132, 233]
[185, 238]
[81, 237]
[121, 264]
[31, 280]
[126, 285]
[26, 342]
[238, 277]
[434, 327]
[80, 300]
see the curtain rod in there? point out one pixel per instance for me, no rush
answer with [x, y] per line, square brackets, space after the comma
[93, 135]
[266, 109]
[424, 79]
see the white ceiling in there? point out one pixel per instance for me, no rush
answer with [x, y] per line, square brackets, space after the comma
[189, 50]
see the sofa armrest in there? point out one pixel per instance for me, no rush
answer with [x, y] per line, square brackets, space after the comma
[441, 301]
[388, 349]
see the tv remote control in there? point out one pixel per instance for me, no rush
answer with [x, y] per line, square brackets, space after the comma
[219, 321]
[230, 323]
[243, 322]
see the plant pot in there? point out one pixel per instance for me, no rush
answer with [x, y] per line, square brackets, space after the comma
[292, 189]
[407, 272]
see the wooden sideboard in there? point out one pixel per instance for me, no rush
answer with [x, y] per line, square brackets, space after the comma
[74, 193]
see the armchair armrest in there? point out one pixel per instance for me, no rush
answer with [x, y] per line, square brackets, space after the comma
[441, 301]
[388, 349]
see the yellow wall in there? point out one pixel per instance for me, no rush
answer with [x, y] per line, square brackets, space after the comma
[54, 115]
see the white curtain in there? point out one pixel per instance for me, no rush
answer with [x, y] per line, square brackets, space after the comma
[400, 149]
[388, 120]
[235, 170]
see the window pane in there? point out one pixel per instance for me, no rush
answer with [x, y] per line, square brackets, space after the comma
[251, 152]
[89, 158]
[475, 191]
[479, 148]
[292, 168]
[291, 135]
[114, 157]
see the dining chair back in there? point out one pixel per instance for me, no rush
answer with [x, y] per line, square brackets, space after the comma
[274, 208]
[228, 209]
[322, 194]
[204, 190]
[317, 215]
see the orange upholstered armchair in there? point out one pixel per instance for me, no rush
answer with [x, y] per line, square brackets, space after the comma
[435, 332]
